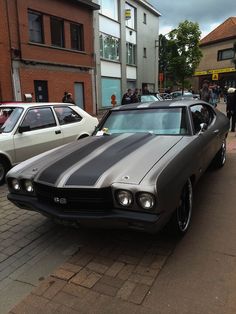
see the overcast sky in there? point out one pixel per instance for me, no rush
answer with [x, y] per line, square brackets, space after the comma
[208, 13]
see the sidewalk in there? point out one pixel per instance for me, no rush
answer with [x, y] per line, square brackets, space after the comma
[118, 279]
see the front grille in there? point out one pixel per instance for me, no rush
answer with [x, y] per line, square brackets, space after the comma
[77, 200]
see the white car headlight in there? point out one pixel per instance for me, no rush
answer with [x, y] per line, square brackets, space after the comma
[15, 184]
[146, 200]
[29, 186]
[124, 198]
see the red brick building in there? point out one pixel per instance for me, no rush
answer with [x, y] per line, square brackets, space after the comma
[46, 48]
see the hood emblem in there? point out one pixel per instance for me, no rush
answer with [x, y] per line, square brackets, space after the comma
[125, 178]
[60, 200]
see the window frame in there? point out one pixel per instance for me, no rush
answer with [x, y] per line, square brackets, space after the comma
[63, 121]
[39, 127]
[103, 52]
[61, 32]
[79, 42]
[38, 31]
[221, 52]
[131, 59]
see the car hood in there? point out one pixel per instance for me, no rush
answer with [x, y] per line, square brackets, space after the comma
[99, 161]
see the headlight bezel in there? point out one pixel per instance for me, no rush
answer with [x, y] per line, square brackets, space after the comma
[149, 197]
[129, 195]
[23, 185]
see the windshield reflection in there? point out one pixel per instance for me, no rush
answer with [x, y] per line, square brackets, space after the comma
[8, 118]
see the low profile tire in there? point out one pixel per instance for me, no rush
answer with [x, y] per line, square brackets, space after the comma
[4, 167]
[220, 157]
[181, 218]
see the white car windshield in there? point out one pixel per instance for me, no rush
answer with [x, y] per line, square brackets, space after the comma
[8, 118]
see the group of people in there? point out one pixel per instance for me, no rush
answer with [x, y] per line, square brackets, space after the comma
[134, 96]
[212, 95]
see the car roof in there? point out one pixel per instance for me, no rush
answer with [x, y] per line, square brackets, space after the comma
[159, 104]
[34, 104]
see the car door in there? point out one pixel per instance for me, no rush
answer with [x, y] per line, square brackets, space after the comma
[207, 139]
[37, 133]
[71, 123]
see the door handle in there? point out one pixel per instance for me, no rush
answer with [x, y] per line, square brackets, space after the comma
[58, 132]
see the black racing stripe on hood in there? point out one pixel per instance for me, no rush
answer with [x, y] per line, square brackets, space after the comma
[91, 171]
[52, 173]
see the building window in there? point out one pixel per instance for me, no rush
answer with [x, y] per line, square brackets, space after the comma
[77, 36]
[145, 52]
[109, 8]
[144, 18]
[110, 86]
[131, 17]
[35, 21]
[130, 54]
[225, 54]
[109, 47]
[57, 32]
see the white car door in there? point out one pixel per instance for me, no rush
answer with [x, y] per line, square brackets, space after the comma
[72, 123]
[37, 133]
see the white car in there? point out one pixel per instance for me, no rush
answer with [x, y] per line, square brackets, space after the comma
[28, 129]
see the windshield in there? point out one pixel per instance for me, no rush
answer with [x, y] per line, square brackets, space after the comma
[165, 121]
[8, 118]
[146, 98]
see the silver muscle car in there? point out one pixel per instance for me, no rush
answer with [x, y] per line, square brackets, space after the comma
[136, 171]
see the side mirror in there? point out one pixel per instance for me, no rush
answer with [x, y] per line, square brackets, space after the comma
[203, 128]
[23, 128]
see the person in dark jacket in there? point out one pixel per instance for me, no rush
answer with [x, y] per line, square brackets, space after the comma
[231, 107]
[127, 97]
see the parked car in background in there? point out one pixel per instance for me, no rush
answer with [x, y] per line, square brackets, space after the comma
[165, 96]
[150, 97]
[178, 95]
[28, 129]
[137, 171]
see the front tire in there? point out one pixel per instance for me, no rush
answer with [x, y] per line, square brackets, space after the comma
[4, 167]
[181, 218]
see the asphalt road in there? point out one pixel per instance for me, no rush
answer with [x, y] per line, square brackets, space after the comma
[196, 274]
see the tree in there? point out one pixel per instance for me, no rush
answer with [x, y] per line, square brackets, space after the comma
[184, 53]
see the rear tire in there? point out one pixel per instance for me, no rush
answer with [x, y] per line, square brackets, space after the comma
[4, 167]
[220, 157]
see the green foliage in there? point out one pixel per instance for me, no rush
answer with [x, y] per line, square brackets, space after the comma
[181, 53]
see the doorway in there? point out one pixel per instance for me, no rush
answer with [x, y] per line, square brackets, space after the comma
[41, 91]
[79, 95]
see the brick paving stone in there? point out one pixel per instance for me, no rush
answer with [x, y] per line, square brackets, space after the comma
[31, 304]
[142, 279]
[75, 290]
[97, 267]
[159, 262]
[105, 289]
[91, 280]
[55, 287]
[126, 290]
[139, 293]
[111, 281]
[3, 257]
[125, 272]
[41, 289]
[65, 299]
[71, 267]
[147, 271]
[81, 259]
[81, 276]
[11, 250]
[114, 269]
[63, 274]
[129, 259]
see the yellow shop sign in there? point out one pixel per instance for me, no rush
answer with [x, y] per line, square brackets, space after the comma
[217, 71]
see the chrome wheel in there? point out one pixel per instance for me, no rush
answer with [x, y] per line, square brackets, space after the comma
[184, 211]
[220, 157]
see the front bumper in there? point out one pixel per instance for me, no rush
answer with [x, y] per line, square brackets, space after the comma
[115, 218]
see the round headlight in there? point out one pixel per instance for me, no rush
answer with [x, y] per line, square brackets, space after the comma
[124, 198]
[29, 186]
[15, 184]
[146, 200]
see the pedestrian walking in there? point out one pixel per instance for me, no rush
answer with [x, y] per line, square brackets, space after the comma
[65, 96]
[231, 107]
[135, 97]
[214, 96]
[69, 99]
[205, 92]
[127, 97]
